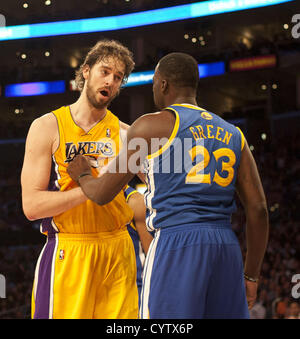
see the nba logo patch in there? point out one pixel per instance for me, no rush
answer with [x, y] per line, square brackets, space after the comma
[206, 116]
[61, 254]
[108, 133]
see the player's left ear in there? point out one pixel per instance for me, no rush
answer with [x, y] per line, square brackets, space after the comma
[164, 86]
[86, 72]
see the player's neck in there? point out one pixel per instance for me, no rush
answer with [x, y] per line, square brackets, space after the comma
[181, 95]
[85, 114]
[191, 100]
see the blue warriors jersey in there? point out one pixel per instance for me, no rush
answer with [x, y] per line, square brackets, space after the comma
[139, 253]
[191, 179]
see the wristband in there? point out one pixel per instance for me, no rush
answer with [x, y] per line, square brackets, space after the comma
[250, 279]
[82, 175]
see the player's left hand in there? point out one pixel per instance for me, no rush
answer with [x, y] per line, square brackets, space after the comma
[78, 166]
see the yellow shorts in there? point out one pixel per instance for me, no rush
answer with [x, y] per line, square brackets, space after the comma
[86, 276]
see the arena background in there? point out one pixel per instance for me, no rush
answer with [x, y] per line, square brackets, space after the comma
[258, 88]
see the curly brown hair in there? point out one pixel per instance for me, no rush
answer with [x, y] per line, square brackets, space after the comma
[104, 49]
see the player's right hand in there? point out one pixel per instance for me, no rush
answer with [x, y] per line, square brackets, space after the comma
[78, 166]
[251, 292]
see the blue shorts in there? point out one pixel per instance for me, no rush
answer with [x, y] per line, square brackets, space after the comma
[194, 272]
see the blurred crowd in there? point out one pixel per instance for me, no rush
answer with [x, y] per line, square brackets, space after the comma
[17, 264]
[279, 166]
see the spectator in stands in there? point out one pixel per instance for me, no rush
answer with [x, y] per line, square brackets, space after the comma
[293, 311]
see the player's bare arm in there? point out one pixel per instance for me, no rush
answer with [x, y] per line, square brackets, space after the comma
[136, 202]
[252, 196]
[119, 172]
[123, 131]
[42, 141]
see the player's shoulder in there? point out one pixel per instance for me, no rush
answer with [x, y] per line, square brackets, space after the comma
[44, 128]
[152, 125]
[151, 119]
[219, 120]
[134, 198]
[230, 128]
[123, 125]
[47, 120]
[123, 130]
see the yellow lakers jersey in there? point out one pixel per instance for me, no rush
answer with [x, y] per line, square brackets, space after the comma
[100, 144]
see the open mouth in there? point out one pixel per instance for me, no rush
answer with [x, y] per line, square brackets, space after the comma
[104, 93]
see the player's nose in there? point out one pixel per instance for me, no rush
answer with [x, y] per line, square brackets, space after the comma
[109, 79]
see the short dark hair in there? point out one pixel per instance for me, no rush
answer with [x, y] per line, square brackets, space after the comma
[180, 69]
[104, 49]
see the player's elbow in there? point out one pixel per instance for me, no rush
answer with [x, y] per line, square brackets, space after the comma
[262, 209]
[30, 211]
[31, 217]
[259, 211]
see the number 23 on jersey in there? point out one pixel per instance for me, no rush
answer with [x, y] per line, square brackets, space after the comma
[196, 173]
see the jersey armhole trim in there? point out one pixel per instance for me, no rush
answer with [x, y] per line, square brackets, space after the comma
[58, 130]
[242, 138]
[190, 106]
[131, 224]
[54, 155]
[130, 194]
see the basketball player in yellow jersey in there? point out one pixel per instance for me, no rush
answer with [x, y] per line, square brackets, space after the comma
[87, 267]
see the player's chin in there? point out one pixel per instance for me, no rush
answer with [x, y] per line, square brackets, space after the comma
[109, 100]
[102, 102]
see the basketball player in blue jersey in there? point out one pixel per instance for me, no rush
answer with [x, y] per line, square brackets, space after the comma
[194, 265]
[137, 230]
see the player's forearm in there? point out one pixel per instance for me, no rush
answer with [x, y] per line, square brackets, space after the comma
[146, 240]
[94, 189]
[144, 235]
[43, 204]
[98, 191]
[102, 190]
[257, 233]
